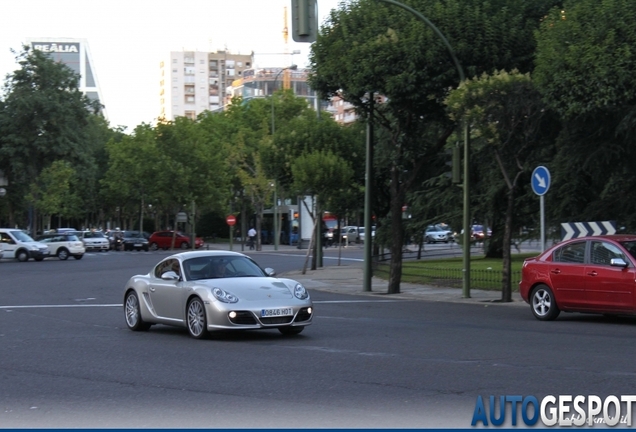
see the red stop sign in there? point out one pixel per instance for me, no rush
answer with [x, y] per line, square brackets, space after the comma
[231, 220]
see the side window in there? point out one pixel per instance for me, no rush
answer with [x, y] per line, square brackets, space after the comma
[603, 252]
[166, 266]
[4, 237]
[571, 253]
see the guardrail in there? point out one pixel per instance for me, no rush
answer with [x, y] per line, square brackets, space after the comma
[453, 277]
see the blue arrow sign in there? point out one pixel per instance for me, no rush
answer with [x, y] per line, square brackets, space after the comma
[540, 180]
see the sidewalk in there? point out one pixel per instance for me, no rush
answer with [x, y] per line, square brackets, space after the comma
[348, 279]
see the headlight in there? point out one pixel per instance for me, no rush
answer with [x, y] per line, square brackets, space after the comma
[300, 292]
[224, 296]
[34, 247]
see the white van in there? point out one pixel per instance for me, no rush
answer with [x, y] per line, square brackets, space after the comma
[19, 245]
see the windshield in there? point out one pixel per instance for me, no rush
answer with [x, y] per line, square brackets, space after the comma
[22, 236]
[631, 247]
[215, 267]
[93, 235]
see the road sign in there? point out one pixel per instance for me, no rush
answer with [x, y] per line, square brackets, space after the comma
[182, 217]
[231, 220]
[583, 229]
[540, 180]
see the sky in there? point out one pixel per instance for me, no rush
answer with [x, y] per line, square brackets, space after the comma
[128, 39]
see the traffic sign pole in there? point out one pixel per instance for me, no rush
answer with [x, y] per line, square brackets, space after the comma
[540, 183]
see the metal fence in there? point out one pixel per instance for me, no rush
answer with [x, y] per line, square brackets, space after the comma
[453, 277]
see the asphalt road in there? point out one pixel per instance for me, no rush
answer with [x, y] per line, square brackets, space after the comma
[68, 360]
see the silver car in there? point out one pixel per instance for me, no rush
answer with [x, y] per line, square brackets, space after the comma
[215, 290]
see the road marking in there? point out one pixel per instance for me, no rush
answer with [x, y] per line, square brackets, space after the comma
[121, 305]
[60, 306]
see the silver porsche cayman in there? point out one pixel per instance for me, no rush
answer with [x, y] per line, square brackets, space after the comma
[215, 290]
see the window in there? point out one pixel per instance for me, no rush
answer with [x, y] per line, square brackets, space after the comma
[603, 253]
[571, 253]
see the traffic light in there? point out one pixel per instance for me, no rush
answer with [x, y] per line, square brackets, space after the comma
[304, 20]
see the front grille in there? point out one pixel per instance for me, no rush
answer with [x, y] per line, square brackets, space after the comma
[277, 320]
[243, 318]
[303, 315]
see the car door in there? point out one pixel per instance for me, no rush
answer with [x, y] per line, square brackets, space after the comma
[609, 288]
[167, 296]
[567, 275]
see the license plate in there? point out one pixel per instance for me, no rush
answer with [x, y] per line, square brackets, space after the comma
[276, 312]
[137, 244]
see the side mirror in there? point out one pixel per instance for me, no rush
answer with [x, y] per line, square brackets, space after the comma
[270, 272]
[618, 262]
[170, 275]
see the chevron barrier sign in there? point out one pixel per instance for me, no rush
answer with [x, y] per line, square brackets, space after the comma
[583, 229]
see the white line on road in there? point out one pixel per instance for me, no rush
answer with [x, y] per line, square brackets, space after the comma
[60, 306]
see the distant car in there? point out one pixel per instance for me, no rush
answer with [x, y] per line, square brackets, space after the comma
[63, 245]
[19, 245]
[163, 240]
[438, 233]
[588, 274]
[349, 234]
[95, 240]
[134, 240]
[215, 290]
[361, 233]
[478, 233]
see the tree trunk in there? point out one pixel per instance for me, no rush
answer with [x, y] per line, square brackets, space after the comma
[397, 241]
[506, 291]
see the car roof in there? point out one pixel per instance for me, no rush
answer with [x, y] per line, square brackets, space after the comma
[615, 237]
[206, 253]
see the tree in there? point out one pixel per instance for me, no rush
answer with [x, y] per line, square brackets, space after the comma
[506, 115]
[584, 69]
[44, 118]
[368, 47]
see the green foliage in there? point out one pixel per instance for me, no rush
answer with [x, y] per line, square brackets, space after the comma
[586, 56]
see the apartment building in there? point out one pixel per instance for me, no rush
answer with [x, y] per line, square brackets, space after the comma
[192, 82]
[76, 54]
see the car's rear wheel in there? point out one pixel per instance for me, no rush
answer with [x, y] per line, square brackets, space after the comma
[132, 312]
[62, 254]
[196, 319]
[185, 245]
[289, 331]
[543, 303]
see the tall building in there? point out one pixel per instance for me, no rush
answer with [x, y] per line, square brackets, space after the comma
[75, 54]
[193, 81]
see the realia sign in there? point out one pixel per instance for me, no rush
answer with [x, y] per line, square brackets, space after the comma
[54, 47]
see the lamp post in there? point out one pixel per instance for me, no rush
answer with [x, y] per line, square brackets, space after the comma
[292, 67]
[466, 131]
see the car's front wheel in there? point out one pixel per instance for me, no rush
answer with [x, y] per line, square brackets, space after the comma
[196, 319]
[78, 257]
[544, 306]
[133, 313]
[289, 331]
[22, 255]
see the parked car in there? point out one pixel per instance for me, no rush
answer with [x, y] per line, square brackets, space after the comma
[95, 240]
[438, 233]
[163, 240]
[588, 274]
[19, 245]
[134, 240]
[63, 245]
[349, 234]
[225, 291]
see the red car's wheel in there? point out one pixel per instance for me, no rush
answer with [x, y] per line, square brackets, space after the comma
[544, 306]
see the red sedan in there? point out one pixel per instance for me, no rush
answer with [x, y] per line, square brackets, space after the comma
[588, 274]
[163, 240]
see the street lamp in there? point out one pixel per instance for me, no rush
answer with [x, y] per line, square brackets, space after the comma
[292, 67]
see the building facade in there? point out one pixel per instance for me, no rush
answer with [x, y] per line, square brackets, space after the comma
[76, 54]
[192, 82]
